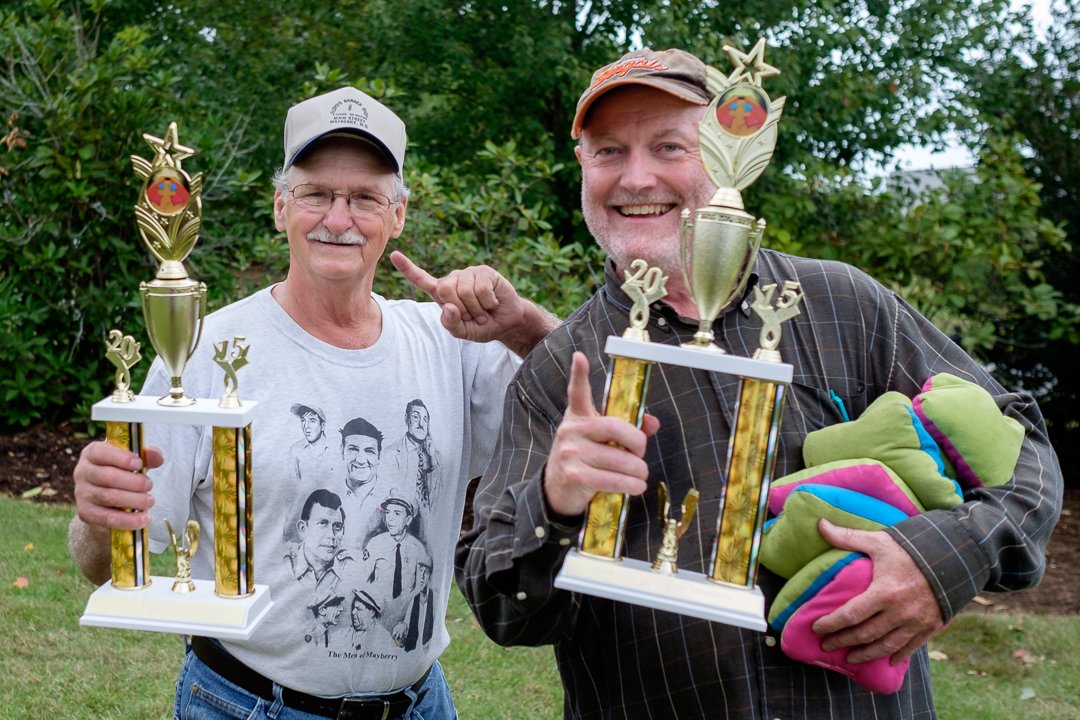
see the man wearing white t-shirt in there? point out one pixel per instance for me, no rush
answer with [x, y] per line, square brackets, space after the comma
[322, 338]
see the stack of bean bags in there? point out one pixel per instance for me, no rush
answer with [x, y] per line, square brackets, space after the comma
[901, 457]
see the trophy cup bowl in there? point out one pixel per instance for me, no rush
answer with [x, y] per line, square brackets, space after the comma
[174, 311]
[717, 249]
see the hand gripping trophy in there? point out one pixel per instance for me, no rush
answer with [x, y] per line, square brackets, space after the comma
[169, 215]
[718, 246]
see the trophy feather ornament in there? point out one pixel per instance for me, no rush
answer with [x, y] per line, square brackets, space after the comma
[739, 131]
[168, 214]
[169, 210]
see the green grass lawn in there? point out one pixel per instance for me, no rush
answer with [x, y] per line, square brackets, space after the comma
[997, 667]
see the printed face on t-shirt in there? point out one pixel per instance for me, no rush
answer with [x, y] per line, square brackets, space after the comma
[363, 616]
[418, 423]
[396, 518]
[322, 533]
[329, 614]
[423, 575]
[312, 427]
[361, 455]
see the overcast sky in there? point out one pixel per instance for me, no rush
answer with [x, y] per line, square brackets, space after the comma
[917, 158]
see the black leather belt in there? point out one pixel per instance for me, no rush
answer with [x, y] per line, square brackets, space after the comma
[380, 707]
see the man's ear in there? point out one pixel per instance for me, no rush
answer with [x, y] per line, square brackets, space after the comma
[279, 211]
[398, 221]
[577, 153]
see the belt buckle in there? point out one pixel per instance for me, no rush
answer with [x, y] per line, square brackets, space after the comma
[345, 714]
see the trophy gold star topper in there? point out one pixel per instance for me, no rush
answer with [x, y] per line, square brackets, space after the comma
[169, 216]
[719, 242]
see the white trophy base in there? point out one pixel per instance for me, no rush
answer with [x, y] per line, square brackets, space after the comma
[145, 409]
[701, 358]
[158, 609]
[686, 593]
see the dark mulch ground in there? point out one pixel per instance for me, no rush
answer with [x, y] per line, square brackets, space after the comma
[42, 461]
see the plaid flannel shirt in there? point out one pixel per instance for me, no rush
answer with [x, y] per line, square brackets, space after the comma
[853, 338]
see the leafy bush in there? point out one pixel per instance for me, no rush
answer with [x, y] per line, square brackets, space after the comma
[70, 257]
[494, 210]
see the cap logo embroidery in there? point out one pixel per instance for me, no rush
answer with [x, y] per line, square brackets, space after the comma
[348, 112]
[623, 68]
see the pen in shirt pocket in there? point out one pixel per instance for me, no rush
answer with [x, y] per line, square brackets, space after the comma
[839, 403]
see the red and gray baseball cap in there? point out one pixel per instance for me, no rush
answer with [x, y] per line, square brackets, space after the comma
[344, 112]
[674, 71]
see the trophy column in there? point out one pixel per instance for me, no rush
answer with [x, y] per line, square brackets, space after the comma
[752, 452]
[234, 548]
[129, 549]
[234, 551]
[624, 397]
[749, 471]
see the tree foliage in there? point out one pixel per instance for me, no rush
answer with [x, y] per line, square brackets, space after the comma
[488, 89]
[1027, 88]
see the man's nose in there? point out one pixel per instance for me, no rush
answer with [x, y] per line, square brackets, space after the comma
[338, 217]
[639, 172]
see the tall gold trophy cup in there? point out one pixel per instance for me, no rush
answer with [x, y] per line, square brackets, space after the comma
[230, 605]
[718, 246]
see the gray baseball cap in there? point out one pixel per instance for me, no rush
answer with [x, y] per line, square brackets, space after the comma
[344, 112]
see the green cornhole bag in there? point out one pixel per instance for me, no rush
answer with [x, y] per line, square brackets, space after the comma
[890, 432]
[792, 540]
[979, 442]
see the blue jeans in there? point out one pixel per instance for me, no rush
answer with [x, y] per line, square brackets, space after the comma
[202, 694]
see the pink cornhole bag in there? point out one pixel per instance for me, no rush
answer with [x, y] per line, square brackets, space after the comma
[801, 643]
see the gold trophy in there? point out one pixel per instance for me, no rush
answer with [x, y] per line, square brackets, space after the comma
[718, 246]
[169, 215]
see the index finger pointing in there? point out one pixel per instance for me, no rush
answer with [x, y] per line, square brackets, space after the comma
[417, 276]
[579, 390]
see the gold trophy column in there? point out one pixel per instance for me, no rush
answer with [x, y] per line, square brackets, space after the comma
[234, 550]
[627, 383]
[750, 461]
[752, 452]
[130, 549]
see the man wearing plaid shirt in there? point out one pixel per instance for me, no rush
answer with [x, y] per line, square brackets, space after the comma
[854, 340]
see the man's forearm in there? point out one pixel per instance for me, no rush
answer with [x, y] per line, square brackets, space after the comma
[90, 548]
[534, 327]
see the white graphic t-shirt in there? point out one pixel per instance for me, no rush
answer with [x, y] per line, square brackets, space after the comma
[361, 460]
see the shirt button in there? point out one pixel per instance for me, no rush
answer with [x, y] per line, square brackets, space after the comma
[564, 541]
[661, 322]
[770, 641]
[521, 595]
[540, 533]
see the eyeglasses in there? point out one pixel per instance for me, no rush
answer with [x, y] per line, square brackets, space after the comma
[320, 199]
